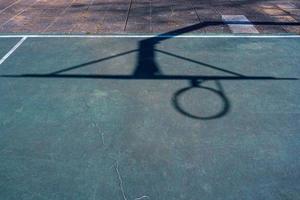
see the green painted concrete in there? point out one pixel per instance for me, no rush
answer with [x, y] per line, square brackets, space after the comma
[6, 44]
[218, 121]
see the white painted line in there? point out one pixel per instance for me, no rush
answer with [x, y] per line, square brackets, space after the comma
[19, 13]
[153, 36]
[235, 23]
[4, 9]
[12, 50]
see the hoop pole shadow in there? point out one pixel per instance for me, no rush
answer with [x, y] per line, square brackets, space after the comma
[147, 69]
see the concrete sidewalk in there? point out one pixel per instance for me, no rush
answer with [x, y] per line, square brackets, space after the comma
[144, 16]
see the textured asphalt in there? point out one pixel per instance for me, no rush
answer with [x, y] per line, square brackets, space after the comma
[150, 118]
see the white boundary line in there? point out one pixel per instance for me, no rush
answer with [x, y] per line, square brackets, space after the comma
[12, 50]
[150, 36]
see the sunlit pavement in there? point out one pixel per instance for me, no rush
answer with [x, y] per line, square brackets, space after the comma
[144, 16]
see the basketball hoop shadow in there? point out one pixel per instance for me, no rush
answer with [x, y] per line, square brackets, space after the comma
[147, 69]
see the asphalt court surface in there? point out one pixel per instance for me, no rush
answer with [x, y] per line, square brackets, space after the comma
[136, 117]
[150, 117]
[6, 45]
